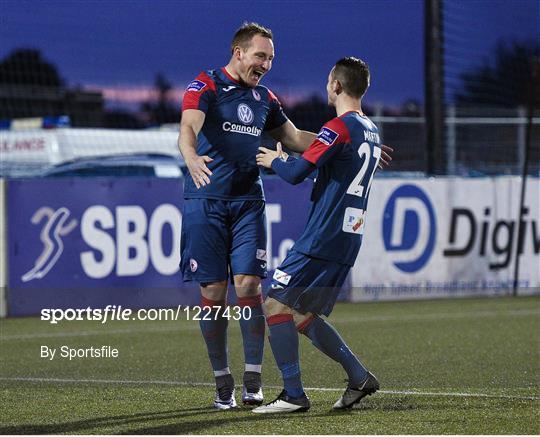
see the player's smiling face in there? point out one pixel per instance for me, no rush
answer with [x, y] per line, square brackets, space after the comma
[256, 60]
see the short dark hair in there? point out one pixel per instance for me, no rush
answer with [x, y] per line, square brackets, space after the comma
[243, 35]
[353, 74]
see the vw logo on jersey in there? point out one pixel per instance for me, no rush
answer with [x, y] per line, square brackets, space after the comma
[245, 114]
[409, 228]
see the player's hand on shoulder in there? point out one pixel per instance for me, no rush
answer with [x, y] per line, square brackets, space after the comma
[386, 156]
[198, 170]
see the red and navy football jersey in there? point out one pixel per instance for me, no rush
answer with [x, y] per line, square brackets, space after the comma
[346, 152]
[236, 117]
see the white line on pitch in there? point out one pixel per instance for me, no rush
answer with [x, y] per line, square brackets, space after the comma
[438, 316]
[359, 319]
[208, 384]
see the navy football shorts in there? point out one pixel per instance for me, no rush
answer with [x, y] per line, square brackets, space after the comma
[219, 236]
[306, 284]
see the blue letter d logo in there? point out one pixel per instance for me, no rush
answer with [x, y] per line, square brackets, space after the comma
[409, 228]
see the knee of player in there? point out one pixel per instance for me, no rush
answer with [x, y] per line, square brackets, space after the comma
[216, 291]
[272, 307]
[247, 285]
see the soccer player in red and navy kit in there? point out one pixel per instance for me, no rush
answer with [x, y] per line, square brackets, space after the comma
[305, 286]
[224, 113]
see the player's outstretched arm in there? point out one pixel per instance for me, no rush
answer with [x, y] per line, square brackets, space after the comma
[190, 126]
[295, 139]
[266, 156]
[293, 171]
[386, 158]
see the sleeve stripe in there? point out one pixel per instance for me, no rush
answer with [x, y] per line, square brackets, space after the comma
[272, 96]
[318, 148]
[207, 80]
[276, 116]
[315, 151]
[192, 99]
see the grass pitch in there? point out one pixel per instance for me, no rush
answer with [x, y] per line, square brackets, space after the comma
[467, 366]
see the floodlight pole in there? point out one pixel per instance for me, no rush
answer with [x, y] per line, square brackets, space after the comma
[535, 79]
[434, 86]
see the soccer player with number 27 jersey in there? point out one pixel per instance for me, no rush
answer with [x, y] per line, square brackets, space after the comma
[305, 286]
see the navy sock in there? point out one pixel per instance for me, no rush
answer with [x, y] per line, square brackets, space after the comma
[214, 332]
[253, 329]
[323, 336]
[284, 342]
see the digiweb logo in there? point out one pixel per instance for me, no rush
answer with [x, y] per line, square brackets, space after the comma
[409, 228]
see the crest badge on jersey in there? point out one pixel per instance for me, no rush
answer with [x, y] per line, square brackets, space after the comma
[261, 254]
[195, 85]
[245, 114]
[327, 136]
[353, 221]
[193, 265]
[256, 95]
[282, 277]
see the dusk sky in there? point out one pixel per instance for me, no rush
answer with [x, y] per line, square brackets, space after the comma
[121, 44]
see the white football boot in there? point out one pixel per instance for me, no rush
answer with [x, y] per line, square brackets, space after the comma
[225, 399]
[252, 393]
[285, 404]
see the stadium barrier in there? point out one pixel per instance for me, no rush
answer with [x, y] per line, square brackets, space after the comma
[27, 150]
[448, 236]
[79, 242]
[3, 250]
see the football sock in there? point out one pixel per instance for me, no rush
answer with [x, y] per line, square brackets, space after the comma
[284, 341]
[253, 329]
[325, 338]
[222, 372]
[214, 331]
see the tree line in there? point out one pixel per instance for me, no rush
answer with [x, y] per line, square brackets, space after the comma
[503, 80]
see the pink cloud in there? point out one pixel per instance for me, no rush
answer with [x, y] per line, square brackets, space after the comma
[130, 95]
